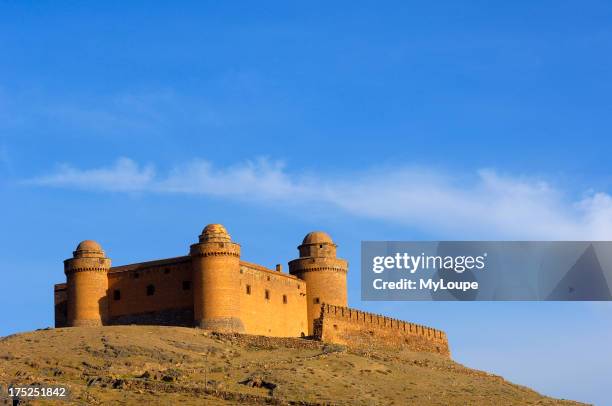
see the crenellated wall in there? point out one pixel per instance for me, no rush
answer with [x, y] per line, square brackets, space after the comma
[343, 325]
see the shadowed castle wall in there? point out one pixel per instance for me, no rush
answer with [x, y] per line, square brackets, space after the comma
[282, 313]
[343, 325]
[155, 292]
[60, 299]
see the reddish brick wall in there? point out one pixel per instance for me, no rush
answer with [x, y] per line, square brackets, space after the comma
[355, 328]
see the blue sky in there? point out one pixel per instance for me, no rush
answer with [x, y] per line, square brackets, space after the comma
[138, 124]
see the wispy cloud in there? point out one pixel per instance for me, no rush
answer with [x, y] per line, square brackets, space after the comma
[481, 205]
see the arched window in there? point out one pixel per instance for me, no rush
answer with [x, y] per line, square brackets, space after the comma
[150, 290]
[285, 299]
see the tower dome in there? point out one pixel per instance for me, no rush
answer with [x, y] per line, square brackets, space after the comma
[317, 244]
[215, 233]
[317, 237]
[88, 248]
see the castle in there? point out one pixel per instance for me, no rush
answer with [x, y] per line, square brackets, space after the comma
[213, 288]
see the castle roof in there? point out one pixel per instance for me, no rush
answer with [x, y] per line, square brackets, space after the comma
[317, 237]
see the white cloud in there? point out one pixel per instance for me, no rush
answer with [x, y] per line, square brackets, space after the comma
[124, 176]
[483, 205]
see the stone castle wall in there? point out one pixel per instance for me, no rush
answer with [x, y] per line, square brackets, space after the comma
[343, 325]
[281, 312]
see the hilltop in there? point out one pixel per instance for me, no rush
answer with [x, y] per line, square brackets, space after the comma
[176, 365]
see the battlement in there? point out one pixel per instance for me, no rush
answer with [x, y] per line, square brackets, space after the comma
[353, 327]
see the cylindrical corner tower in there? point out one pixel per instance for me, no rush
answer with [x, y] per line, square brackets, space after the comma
[87, 284]
[216, 281]
[323, 272]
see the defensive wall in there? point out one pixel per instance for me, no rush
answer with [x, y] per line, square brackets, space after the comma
[355, 328]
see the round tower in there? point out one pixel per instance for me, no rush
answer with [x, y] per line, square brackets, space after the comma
[216, 281]
[87, 284]
[323, 272]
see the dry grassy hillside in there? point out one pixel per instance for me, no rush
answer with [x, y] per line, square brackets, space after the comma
[172, 365]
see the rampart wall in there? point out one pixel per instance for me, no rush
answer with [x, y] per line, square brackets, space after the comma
[360, 329]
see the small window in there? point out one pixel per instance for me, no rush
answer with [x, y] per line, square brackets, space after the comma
[167, 271]
[136, 275]
[321, 246]
[298, 286]
[248, 289]
[267, 294]
[268, 278]
[317, 300]
[117, 294]
[150, 290]
[285, 299]
[186, 285]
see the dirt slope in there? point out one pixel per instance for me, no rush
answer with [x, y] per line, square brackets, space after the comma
[173, 365]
